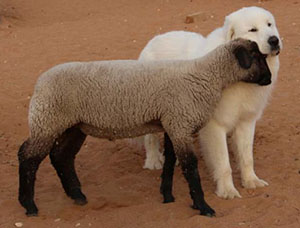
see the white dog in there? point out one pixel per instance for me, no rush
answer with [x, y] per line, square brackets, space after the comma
[241, 105]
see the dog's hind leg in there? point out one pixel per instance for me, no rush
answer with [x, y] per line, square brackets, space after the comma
[154, 159]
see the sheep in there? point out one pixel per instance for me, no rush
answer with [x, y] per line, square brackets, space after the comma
[118, 99]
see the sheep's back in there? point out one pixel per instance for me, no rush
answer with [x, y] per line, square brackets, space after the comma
[108, 94]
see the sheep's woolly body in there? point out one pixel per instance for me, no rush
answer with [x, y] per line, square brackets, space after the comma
[119, 99]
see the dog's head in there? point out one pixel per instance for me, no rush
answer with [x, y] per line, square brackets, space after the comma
[252, 63]
[256, 24]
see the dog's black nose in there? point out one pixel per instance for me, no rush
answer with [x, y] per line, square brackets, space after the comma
[273, 41]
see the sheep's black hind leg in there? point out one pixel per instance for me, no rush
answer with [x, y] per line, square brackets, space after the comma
[189, 166]
[168, 171]
[62, 158]
[30, 156]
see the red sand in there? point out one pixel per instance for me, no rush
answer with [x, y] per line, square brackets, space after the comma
[35, 35]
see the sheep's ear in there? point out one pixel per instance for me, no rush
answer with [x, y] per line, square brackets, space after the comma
[254, 46]
[243, 56]
[228, 29]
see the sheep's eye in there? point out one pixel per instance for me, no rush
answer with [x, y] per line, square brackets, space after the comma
[269, 24]
[253, 30]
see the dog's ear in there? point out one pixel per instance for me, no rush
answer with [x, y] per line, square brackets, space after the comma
[228, 29]
[243, 56]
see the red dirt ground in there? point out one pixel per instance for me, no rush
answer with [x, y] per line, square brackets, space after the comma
[35, 35]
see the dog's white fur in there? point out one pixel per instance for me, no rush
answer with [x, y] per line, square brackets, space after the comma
[241, 105]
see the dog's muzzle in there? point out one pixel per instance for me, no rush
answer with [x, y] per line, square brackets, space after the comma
[274, 44]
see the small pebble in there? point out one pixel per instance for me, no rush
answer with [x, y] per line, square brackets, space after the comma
[77, 225]
[19, 224]
[57, 220]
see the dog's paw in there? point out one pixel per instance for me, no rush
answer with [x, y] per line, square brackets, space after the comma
[225, 188]
[254, 182]
[154, 162]
[227, 192]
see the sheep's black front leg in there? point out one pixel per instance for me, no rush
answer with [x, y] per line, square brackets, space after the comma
[62, 158]
[30, 156]
[168, 171]
[189, 165]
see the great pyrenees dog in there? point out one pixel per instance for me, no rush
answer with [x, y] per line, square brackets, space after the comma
[241, 104]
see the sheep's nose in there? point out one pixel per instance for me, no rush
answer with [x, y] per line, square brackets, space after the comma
[273, 41]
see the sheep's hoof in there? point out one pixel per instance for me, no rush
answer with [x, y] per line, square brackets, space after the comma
[207, 211]
[169, 199]
[31, 214]
[80, 202]
[29, 205]
[32, 211]
[78, 197]
[208, 214]
[204, 210]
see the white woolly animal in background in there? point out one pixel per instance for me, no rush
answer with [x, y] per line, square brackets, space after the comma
[130, 98]
[241, 104]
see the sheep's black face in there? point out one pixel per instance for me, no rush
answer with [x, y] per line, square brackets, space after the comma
[251, 59]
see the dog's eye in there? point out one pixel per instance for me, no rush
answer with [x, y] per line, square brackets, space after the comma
[269, 24]
[253, 30]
